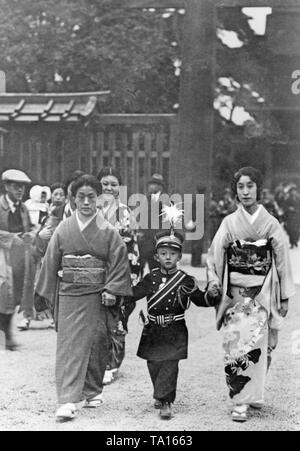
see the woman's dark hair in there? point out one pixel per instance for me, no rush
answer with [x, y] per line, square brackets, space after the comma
[109, 171]
[86, 180]
[56, 186]
[254, 174]
[75, 175]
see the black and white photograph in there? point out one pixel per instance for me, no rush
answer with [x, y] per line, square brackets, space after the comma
[149, 218]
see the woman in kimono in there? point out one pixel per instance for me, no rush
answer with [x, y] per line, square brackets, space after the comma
[87, 259]
[249, 264]
[121, 217]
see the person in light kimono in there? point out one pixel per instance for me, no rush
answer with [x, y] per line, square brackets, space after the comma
[121, 217]
[249, 264]
[87, 261]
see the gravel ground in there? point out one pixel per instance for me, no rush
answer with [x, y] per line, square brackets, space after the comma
[28, 400]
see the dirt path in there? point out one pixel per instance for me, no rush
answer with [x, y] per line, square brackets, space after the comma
[28, 400]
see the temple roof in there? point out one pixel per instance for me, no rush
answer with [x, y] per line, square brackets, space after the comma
[71, 107]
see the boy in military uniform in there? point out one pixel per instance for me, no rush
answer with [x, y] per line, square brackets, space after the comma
[164, 341]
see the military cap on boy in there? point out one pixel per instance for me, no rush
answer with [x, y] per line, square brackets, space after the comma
[169, 238]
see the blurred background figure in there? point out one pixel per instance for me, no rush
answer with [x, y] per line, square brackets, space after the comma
[214, 216]
[227, 205]
[156, 188]
[17, 256]
[270, 204]
[292, 215]
[38, 205]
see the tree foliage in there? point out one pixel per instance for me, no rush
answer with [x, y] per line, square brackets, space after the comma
[85, 45]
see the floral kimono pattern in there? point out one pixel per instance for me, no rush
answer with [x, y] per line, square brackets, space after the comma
[251, 261]
[245, 331]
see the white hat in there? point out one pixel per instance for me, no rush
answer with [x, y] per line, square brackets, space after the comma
[37, 191]
[13, 175]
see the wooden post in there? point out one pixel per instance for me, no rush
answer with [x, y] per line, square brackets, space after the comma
[191, 166]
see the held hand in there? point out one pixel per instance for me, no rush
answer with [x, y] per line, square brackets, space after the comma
[46, 233]
[109, 300]
[214, 290]
[284, 308]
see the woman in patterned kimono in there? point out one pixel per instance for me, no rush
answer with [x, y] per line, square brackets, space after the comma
[249, 264]
[89, 257]
[121, 217]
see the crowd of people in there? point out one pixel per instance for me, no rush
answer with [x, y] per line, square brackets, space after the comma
[73, 252]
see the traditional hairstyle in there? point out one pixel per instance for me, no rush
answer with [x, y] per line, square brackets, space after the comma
[86, 180]
[58, 185]
[254, 174]
[109, 171]
[75, 175]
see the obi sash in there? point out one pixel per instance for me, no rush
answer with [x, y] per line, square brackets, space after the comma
[83, 269]
[250, 258]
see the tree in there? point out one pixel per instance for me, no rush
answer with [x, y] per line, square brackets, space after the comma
[85, 45]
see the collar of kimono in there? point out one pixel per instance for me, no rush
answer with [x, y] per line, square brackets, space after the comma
[83, 225]
[252, 218]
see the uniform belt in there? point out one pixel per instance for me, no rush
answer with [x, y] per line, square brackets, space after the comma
[165, 320]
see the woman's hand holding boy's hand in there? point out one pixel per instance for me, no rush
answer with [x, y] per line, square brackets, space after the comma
[109, 300]
[214, 293]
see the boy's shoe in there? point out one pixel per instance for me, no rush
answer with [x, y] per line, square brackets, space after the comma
[158, 405]
[94, 402]
[66, 412]
[24, 324]
[256, 406]
[108, 377]
[166, 411]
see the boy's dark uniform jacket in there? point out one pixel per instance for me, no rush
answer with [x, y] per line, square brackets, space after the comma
[169, 342]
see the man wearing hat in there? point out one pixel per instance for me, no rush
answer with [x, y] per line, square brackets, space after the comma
[164, 341]
[156, 188]
[16, 258]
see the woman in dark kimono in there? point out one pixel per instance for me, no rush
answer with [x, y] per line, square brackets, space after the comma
[249, 263]
[292, 216]
[87, 260]
[121, 217]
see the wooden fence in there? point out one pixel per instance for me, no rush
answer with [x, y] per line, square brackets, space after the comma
[136, 145]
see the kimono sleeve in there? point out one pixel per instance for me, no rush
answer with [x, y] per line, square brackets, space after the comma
[282, 259]
[216, 254]
[48, 278]
[118, 280]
